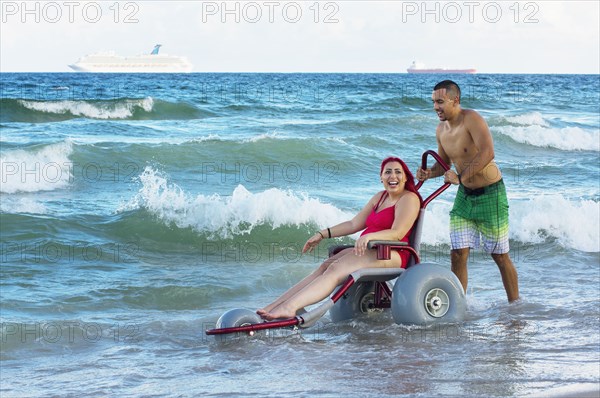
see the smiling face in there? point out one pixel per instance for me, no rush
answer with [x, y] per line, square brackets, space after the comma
[393, 176]
[445, 103]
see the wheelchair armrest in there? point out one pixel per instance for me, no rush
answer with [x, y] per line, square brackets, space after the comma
[374, 243]
[385, 247]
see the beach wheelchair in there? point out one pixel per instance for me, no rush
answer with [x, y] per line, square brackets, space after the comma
[421, 294]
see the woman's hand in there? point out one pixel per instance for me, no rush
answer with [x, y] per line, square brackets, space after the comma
[360, 247]
[312, 242]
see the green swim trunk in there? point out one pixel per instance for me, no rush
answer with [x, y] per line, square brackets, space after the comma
[480, 214]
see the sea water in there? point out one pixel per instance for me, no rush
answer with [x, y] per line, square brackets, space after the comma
[136, 209]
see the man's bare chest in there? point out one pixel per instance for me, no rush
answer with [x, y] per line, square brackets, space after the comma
[457, 143]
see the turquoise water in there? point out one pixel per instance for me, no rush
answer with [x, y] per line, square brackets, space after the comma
[135, 209]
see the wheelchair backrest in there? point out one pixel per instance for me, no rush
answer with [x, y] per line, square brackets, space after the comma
[414, 239]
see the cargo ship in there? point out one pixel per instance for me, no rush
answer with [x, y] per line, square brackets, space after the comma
[420, 68]
[109, 62]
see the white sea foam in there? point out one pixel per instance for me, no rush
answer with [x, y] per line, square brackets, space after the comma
[209, 137]
[44, 169]
[237, 214]
[573, 223]
[566, 138]
[266, 136]
[437, 223]
[528, 119]
[121, 109]
[22, 205]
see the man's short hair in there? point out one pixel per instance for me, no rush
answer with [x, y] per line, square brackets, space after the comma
[452, 88]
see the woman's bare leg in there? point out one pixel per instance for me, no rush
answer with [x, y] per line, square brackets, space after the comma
[291, 291]
[302, 284]
[322, 285]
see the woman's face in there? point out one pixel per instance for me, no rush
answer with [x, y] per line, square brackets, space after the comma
[393, 177]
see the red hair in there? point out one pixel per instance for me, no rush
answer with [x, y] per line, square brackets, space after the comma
[410, 179]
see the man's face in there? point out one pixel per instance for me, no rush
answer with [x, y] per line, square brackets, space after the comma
[443, 105]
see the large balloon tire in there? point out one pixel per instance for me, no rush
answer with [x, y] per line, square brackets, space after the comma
[427, 294]
[357, 301]
[236, 318]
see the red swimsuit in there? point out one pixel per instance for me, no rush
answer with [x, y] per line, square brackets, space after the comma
[382, 220]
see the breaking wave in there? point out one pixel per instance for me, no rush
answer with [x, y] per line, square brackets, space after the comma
[36, 111]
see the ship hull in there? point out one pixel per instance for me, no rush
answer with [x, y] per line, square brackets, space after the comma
[128, 69]
[152, 63]
[446, 71]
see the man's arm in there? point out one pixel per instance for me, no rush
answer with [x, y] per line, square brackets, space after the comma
[436, 170]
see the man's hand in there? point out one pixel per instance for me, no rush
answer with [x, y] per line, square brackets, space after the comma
[451, 177]
[423, 175]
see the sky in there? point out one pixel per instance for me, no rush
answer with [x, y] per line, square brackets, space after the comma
[373, 36]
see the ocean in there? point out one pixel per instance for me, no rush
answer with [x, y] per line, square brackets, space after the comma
[136, 209]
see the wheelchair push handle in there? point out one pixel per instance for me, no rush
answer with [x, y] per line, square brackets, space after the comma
[424, 163]
[424, 166]
[437, 157]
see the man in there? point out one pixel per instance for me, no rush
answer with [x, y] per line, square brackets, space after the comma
[480, 209]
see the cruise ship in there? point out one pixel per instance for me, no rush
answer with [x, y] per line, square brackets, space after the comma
[109, 62]
[420, 68]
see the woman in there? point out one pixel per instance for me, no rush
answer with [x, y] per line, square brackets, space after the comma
[389, 215]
